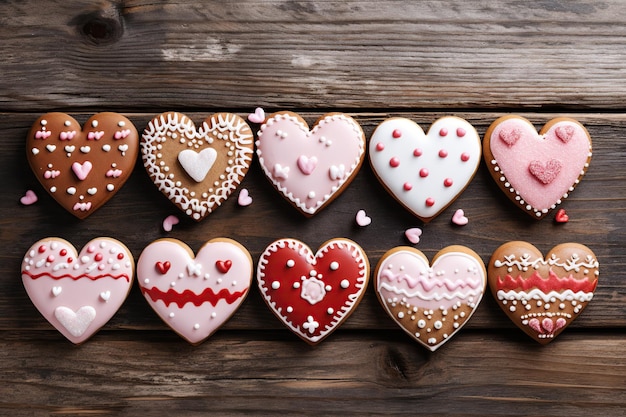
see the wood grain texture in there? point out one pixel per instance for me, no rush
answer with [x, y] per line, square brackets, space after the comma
[422, 60]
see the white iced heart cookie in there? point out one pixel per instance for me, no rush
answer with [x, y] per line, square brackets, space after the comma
[78, 292]
[194, 295]
[425, 172]
[197, 169]
[310, 167]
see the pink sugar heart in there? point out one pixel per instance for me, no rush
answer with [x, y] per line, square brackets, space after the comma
[413, 235]
[169, 222]
[29, 198]
[362, 219]
[459, 218]
[546, 173]
[258, 116]
[244, 198]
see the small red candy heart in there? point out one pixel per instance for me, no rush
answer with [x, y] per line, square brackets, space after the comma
[163, 267]
[561, 216]
[224, 266]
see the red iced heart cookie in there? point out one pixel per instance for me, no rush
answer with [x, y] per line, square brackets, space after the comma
[313, 294]
[430, 303]
[78, 293]
[425, 172]
[197, 169]
[194, 295]
[310, 167]
[542, 296]
[82, 168]
[537, 171]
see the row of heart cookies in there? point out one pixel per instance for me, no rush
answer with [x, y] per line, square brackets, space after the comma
[199, 168]
[311, 293]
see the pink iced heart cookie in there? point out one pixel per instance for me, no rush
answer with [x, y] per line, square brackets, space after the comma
[537, 171]
[78, 292]
[197, 169]
[425, 172]
[194, 295]
[82, 168]
[310, 167]
[313, 294]
[543, 296]
[430, 303]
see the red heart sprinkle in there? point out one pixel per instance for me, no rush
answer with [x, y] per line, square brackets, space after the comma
[561, 216]
[163, 267]
[223, 266]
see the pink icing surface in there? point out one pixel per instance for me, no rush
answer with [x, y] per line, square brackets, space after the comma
[313, 165]
[187, 274]
[515, 157]
[98, 279]
[454, 277]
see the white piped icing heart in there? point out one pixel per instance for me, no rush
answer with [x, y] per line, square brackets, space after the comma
[310, 167]
[425, 172]
[67, 287]
[537, 170]
[194, 295]
[197, 169]
[430, 303]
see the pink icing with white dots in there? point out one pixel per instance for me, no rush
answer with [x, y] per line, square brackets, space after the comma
[194, 295]
[309, 167]
[77, 292]
[540, 170]
[425, 172]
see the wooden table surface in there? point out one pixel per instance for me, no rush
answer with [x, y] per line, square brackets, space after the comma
[371, 59]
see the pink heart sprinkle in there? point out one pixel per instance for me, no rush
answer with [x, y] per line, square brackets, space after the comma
[306, 164]
[258, 116]
[535, 325]
[362, 219]
[545, 173]
[510, 136]
[170, 221]
[413, 235]
[459, 218]
[564, 133]
[29, 198]
[244, 198]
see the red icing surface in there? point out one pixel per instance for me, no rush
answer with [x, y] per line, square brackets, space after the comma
[553, 283]
[286, 295]
[188, 296]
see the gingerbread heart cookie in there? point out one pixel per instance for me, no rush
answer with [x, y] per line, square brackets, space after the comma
[537, 171]
[78, 292]
[425, 172]
[430, 303]
[197, 169]
[195, 295]
[82, 168]
[542, 296]
[312, 294]
[310, 167]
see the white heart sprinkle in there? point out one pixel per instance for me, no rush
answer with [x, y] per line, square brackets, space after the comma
[35, 151]
[56, 291]
[106, 147]
[51, 148]
[71, 191]
[105, 295]
[85, 149]
[92, 191]
[69, 148]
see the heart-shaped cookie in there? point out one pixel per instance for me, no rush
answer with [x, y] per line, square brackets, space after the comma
[537, 171]
[194, 295]
[312, 294]
[310, 167]
[78, 292]
[425, 172]
[542, 296]
[82, 168]
[197, 169]
[430, 303]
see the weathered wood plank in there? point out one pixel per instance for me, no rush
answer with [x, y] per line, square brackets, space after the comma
[357, 374]
[135, 214]
[301, 54]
